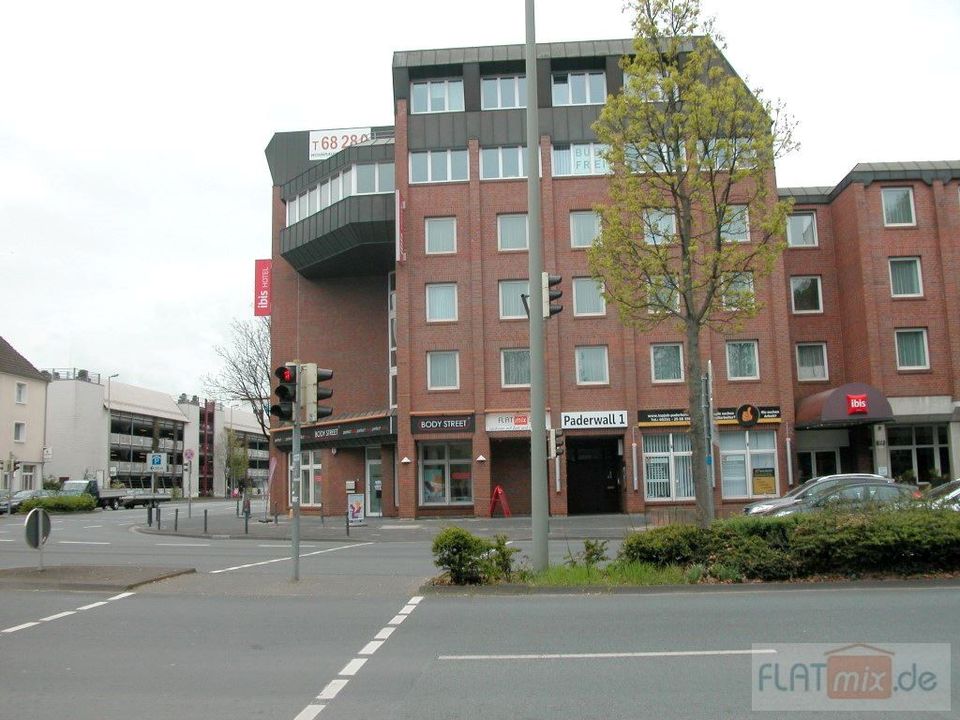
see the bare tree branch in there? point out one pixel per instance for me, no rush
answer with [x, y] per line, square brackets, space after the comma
[245, 375]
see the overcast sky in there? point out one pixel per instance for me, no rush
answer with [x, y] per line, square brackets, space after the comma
[134, 192]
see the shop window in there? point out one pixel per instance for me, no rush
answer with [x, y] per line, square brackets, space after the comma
[748, 463]
[446, 474]
[667, 466]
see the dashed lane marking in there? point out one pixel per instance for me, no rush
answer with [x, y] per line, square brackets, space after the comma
[284, 559]
[604, 656]
[67, 613]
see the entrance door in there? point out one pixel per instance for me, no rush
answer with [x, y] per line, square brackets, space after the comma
[815, 463]
[374, 481]
[593, 476]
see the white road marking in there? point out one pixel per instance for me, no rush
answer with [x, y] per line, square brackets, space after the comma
[20, 627]
[603, 656]
[93, 605]
[397, 619]
[182, 544]
[121, 596]
[384, 634]
[58, 616]
[284, 559]
[80, 542]
[407, 609]
[415, 600]
[371, 647]
[6, 539]
[353, 666]
[332, 688]
[309, 712]
[90, 527]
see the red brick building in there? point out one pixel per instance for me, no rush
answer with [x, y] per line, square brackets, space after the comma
[400, 260]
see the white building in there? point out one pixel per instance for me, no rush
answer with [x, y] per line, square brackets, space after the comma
[23, 399]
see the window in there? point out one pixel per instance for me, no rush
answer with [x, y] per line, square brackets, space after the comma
[919, 450]
[735, 227]
[725, 153]
[374, 178]
[511, 304]
[668, 466]
[897, 207]
[806, 294]
[905, 278]
[503, 162]
[654, 159]
[912, 349]
[311, 478]
[21, 393]
[445, 473]
[812, 362]
[512, 232]
[508, 91]
[579, 159]
[802, 230]
[441, 302]
[748, 463]
[663, 296]
[436, 96]
[666, 362]
[588, 297]
[584, 228]
[592, 365]
[443, 370]
[515, 367]
[660, 226]
[19, 432]
[27, 474]
[738, 292]
[742, 363]
[441, 235]
[584, 88]
[438, 166]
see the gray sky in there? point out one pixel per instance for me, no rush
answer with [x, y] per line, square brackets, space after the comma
[134, 193]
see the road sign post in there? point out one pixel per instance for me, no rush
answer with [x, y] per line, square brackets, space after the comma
[189, 456]
[37, 530]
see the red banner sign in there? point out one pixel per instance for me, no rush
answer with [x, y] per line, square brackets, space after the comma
[262, 293]
[857, 404]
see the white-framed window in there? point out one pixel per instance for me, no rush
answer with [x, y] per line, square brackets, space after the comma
[738, 291]
[906, 279]
[736, 225]
[666, 362]
[503, 162]
[742, 360]
[19, 432]
[443, 370]
[441, 235]
[432, 166]
[802, 230]
[748, 458]
[512, 232]
[591, 365]
[812, 362]
[806, 295]
[663, 295]
[912, 349]
[446, 473]
[579, 159]
[584, 228]
[722, 153]
[515, 367]
[579, 88]
[659, 226]
[654, 159]
[511, 302]
[27, 475]
[898, 209]
[310, 486]
[371, 178]
[667, 466]
[430, 96]
[20, 396]
[503, 91]
[441, 302]
[588, 297]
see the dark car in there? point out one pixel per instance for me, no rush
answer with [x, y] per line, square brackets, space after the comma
[813, 486]
[12, 504]
[855, 496]
[945, 496]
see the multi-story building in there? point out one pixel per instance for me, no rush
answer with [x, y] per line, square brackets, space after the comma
[23, 399]
[400, 261]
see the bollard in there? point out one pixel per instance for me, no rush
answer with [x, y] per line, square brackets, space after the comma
[158, 518]
[149, 515]
[246, 523]
[275, 517]
[238, 507]
[176, 519]
[205, 521]
[347, 518]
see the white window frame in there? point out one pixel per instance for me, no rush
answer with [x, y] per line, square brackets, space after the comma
[826, 365]
[793, 295]
[597, 165]
[19, 432]
[725, 299]
[674, 291]
[456, 311]
[653, 368]
[526, 220]
[926, 348]
[670, 455]
[915, 259]
[649, 238]
[446, 462]
[606, 365]
[430, 356]
[376, 179]
[28, 473]
[520, 96]
[501, 286]
[485, 153]
[748, 451]
[579, 281]
[596, 218]
[447, 83]
[20, 393]
[503, 368]
[449, 160]
[756, 359]
[590, 100]
[725, 237]
[813, 219]
[913, 207]
[426, 235]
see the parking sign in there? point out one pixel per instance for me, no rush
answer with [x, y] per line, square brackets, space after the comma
[157, 462]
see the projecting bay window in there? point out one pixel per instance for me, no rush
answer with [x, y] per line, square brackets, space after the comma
[667, 466]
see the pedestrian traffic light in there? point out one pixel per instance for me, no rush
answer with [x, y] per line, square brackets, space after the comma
[286, 392]
[556, 443]
[551, 292]
[312, 392]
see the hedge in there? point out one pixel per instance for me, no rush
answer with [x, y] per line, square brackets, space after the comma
[60, 503]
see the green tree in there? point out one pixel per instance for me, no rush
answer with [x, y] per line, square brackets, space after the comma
[691, 151]
[235, 458]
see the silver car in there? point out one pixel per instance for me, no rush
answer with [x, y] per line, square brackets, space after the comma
[812, 487]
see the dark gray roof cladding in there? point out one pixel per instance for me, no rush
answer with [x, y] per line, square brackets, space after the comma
[817, 194]
[13, 363]
[495, 53]
[867, 173]
[288, 153]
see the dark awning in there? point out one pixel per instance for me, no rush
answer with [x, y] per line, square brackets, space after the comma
[844, 406]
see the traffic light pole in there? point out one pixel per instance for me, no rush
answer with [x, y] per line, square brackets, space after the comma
[295, 496]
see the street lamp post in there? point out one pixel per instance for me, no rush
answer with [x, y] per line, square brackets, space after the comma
[106, 472]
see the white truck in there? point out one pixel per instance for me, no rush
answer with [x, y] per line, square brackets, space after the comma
[105, 498]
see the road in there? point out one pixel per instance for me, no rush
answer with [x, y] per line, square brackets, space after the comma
[357, 638]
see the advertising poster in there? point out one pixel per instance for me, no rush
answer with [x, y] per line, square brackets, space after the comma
[355, 508]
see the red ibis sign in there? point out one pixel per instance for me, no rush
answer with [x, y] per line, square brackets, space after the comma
[857, 405]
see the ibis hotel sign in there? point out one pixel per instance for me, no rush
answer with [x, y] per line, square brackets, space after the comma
[597, 420]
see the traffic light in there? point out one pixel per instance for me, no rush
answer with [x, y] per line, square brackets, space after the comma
[551, 292]
[556, 443]
[312, 392]
[286, 392]
[15, 466]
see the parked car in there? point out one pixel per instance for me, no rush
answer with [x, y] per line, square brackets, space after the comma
[945, 496]
[813, 486]
[12, 503]
[855, 496]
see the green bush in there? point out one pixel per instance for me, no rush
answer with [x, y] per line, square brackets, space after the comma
[60, 503]
[500, 556]
[463, 555]
[667, 545]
